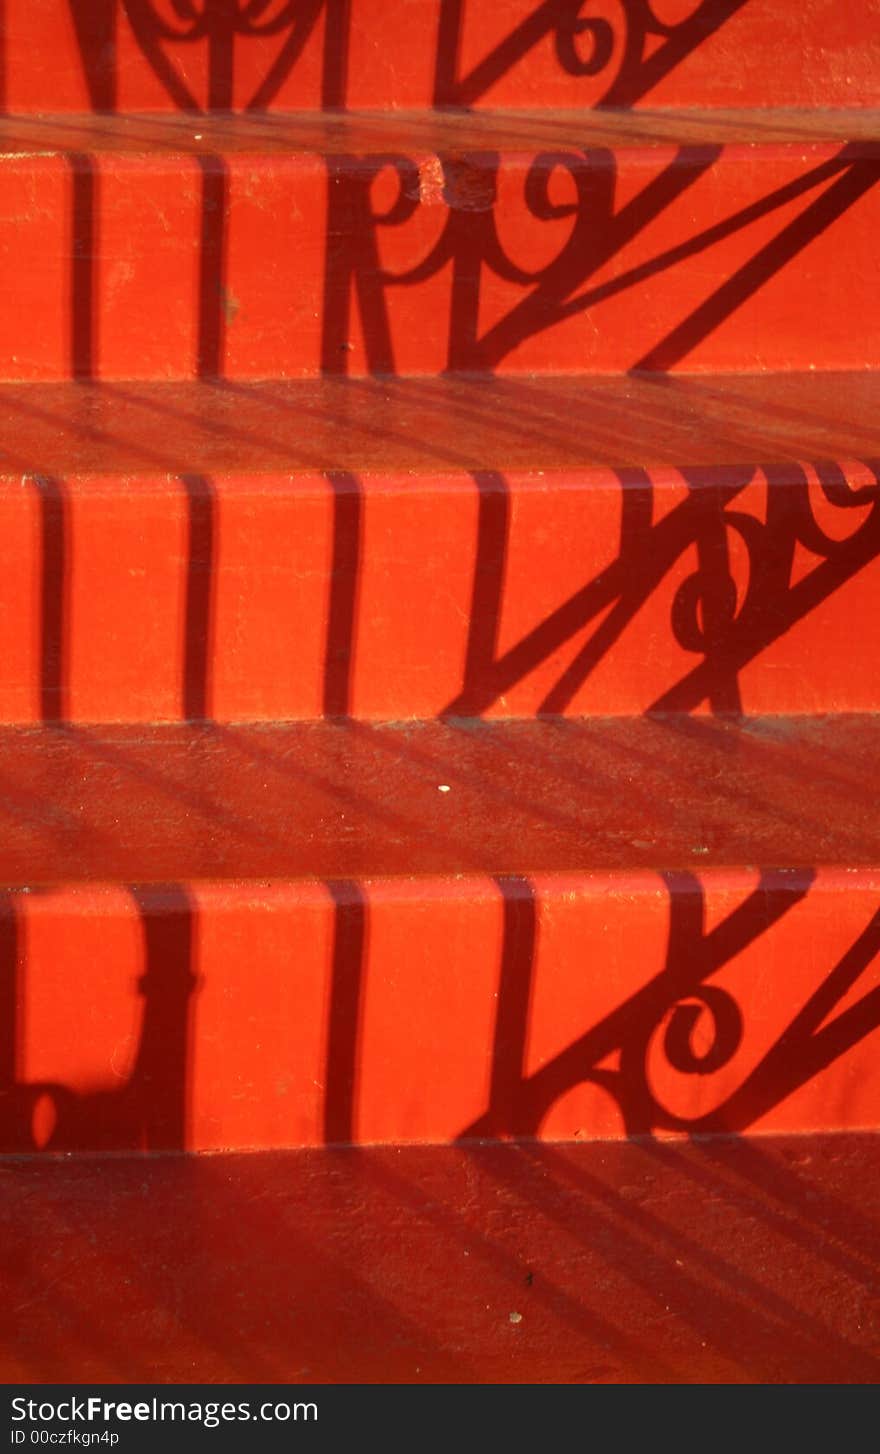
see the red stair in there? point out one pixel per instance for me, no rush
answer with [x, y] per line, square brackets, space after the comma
[439, 538]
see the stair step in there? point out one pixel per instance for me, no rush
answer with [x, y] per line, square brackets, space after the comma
[708, 1262]
[416, 426]
[260, 938]
[439, 568]
[347, 799]
[414, 548]
[252, 247]
[97, 54]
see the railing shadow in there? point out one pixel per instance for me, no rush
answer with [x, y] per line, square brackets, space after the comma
[619, 59]
[725, 626]
[680, 1020]
[143, 1110]
[710, 616]
[578, 186]
[217, 27]
[471, 248]
[674, 1002]
[725, 619]
[476, 251]
[575, 1218]
[617, 1262]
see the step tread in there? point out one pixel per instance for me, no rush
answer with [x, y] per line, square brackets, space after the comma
[429, 132]
[339, 800]
[724, 1261]
[432, 424]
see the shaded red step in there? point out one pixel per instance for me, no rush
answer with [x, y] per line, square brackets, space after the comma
[256, 247]
[418, 548]
[127, 55]
[717, 1262]
[265, 938]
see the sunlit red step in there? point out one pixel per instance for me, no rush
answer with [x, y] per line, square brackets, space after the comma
[258, 246]
[744, 1261]
[242, 938]
[507, 367]
[399, 549]
[110, 55]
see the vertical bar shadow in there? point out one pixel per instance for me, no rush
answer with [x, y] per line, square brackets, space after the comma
[346, 1003]
[198, 616]
[54, 552]
[159, 1086]
[493, 532]
[342, 605]
[83, 261]
[214, 302]
[514, 998]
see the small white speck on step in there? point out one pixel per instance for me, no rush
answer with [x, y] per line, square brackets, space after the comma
[516, 1317]
[197, 136]
[443, 788]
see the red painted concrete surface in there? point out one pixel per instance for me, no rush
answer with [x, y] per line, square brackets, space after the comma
[147, 55]
[343, 934]
[175, 249]
[347, 799]
[748, 1262]
[412, 548]
[565, 331]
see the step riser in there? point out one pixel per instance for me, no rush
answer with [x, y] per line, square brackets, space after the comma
[598, 593]
[324, 435]
[246, 266]
[105, 55]
[564, 1007]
